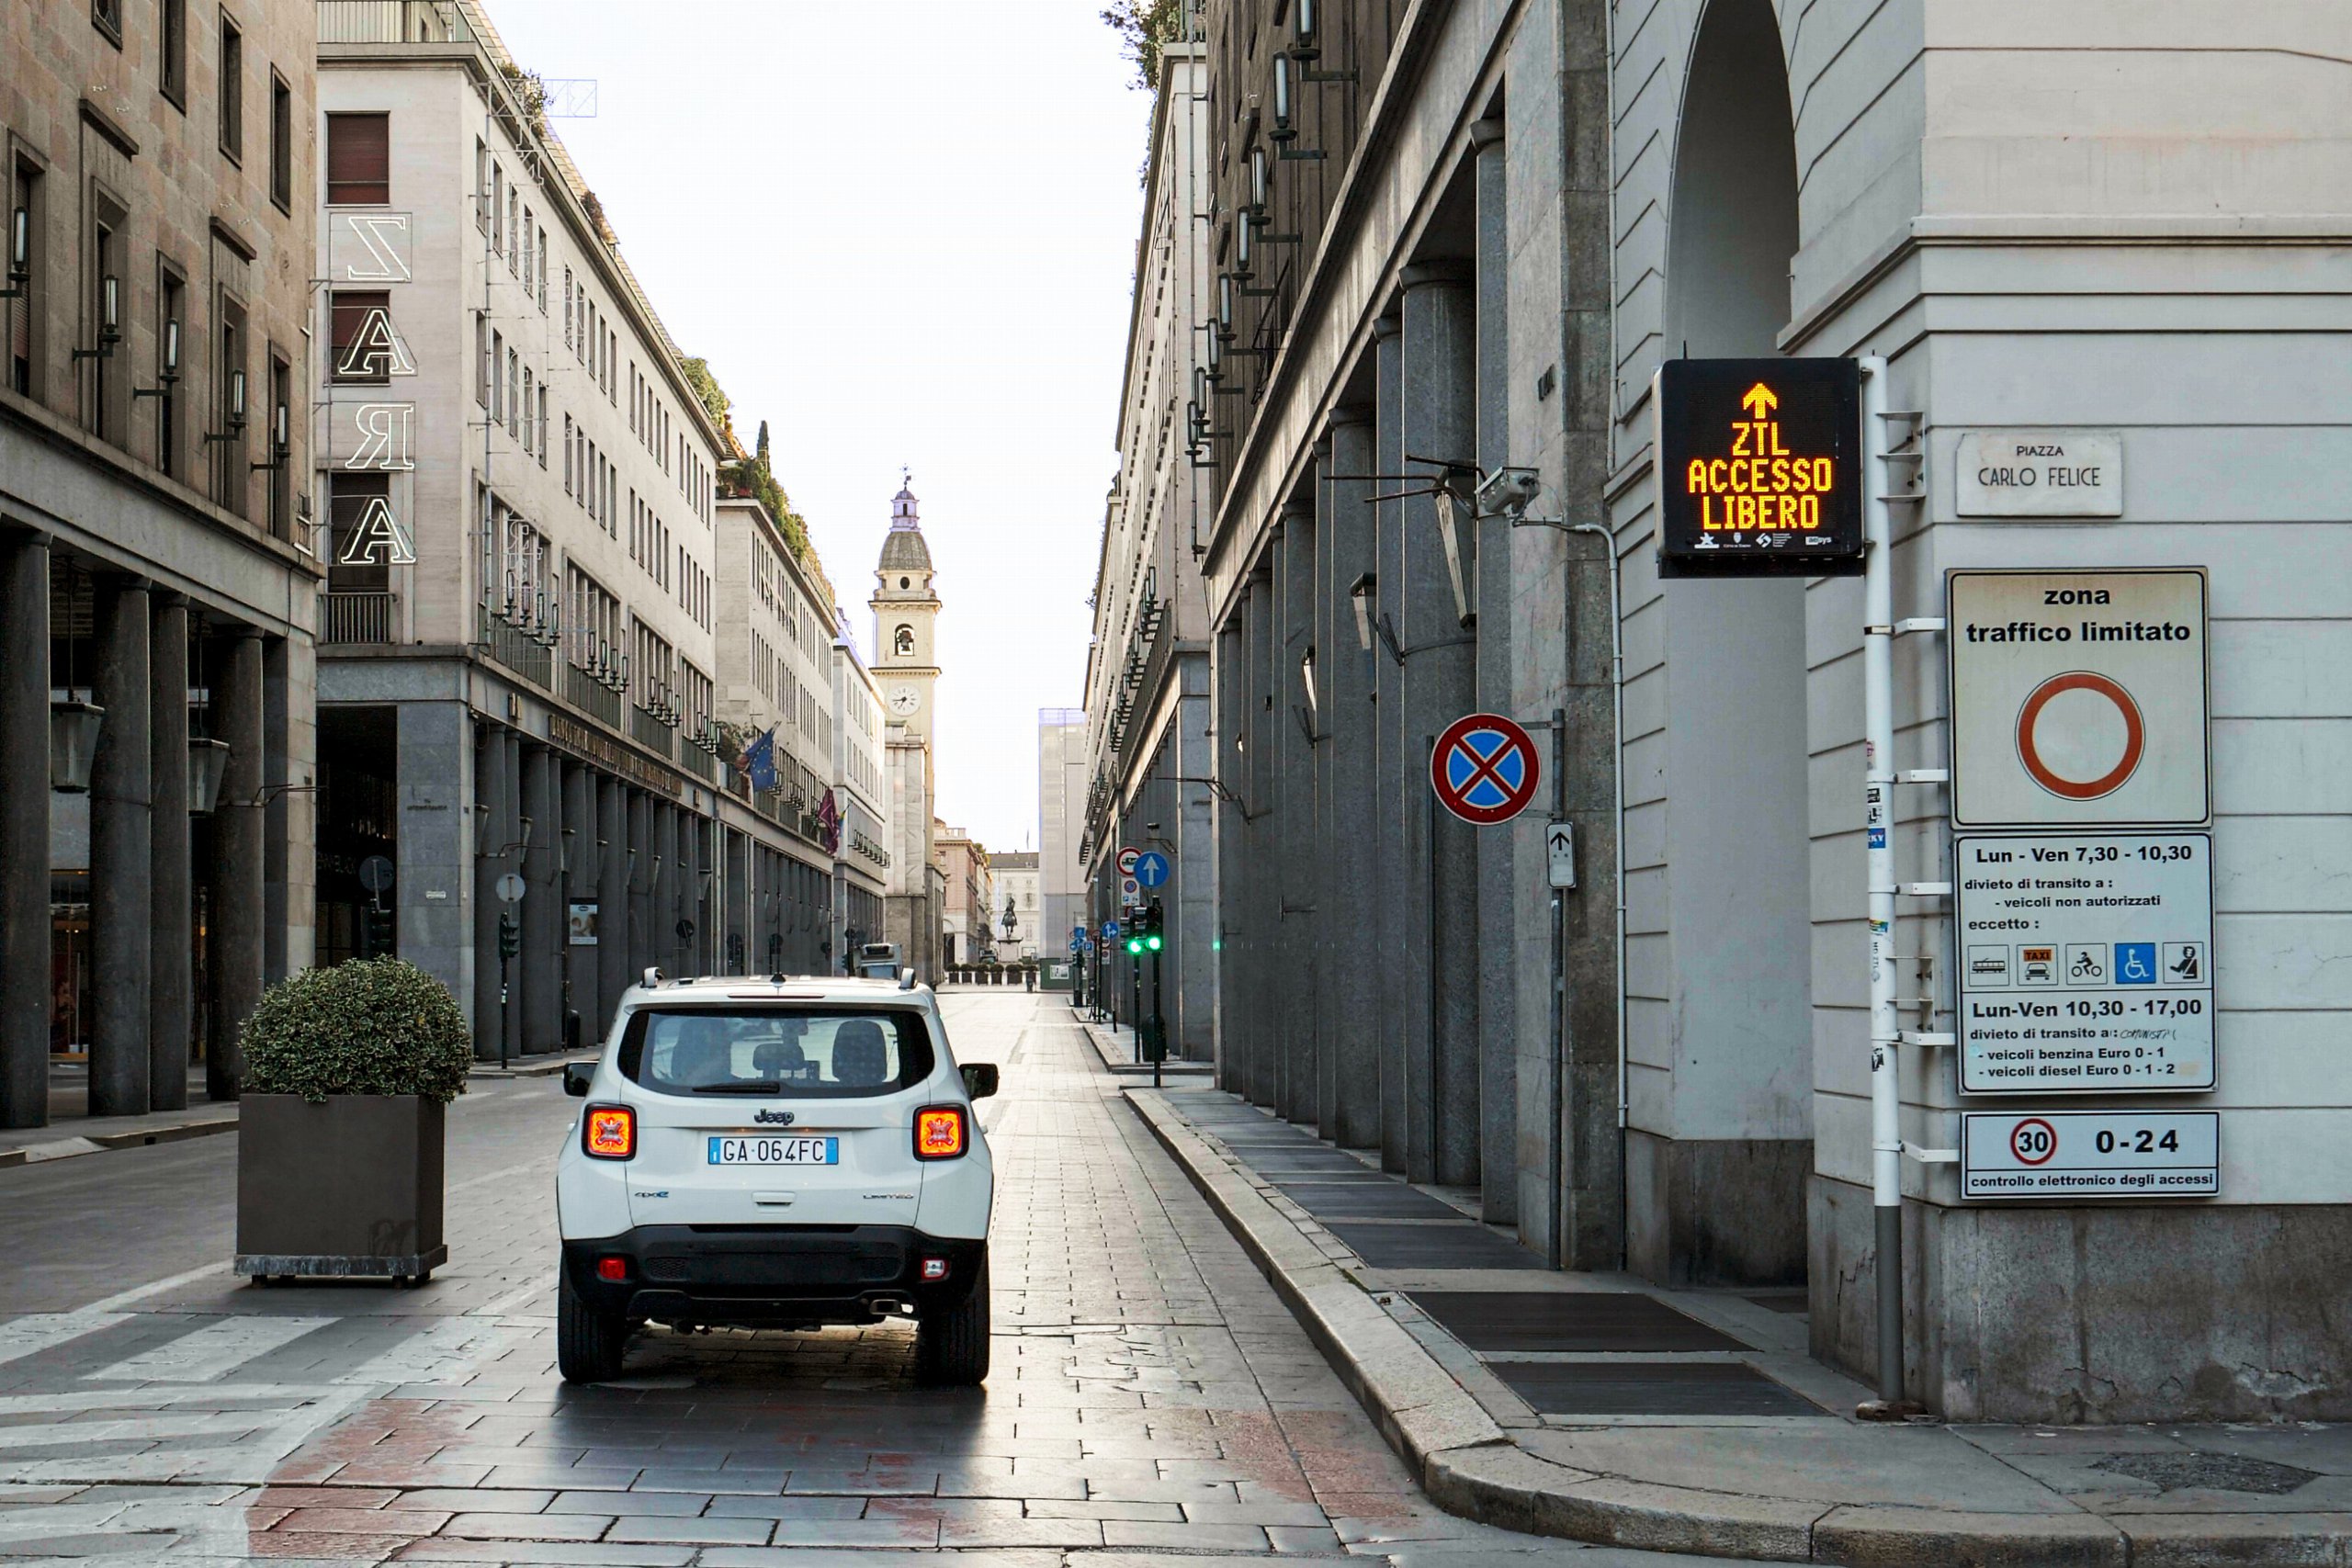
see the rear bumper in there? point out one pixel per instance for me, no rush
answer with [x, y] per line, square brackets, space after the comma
[772, 1274]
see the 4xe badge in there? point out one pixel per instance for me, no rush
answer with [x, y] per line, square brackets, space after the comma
[773, 1118]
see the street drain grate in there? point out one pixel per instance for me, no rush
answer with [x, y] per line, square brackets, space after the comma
[1464, 1245]
[1568, 1320]
[2215, 1473]
[1380, 1200]
[1649, 1388]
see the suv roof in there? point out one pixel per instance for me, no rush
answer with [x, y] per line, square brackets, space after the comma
[771, 987]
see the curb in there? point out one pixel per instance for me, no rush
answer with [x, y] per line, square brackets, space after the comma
[1469, 1466]
[136, 1138]
[1174, 1067]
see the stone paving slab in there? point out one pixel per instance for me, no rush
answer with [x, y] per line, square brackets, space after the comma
[1826, 1489]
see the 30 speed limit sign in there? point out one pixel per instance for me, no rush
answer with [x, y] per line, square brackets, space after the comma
[2090, 1154]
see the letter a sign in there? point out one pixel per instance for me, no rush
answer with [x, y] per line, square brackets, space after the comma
[375, 538]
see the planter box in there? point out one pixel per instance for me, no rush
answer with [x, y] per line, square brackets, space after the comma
[348, 1186]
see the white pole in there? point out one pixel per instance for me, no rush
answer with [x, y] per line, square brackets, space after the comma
[1878, 795]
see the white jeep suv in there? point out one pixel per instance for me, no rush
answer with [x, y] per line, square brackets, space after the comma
[779, 1153]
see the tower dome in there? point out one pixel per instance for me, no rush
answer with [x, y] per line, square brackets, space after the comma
[903, 548]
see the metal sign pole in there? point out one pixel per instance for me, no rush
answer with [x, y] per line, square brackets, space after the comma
[1878, 797]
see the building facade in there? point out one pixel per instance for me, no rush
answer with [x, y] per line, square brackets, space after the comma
[1453, 241]
[158, 598]
[1151, 769]
[906, 669]
[519, 680]
[861, 799]
[1062, 777]
[781, 691]
[967, 924]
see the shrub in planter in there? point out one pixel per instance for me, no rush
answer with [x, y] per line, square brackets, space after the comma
[348, 1071]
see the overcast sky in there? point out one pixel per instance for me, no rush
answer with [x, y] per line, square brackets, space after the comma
[902, 231]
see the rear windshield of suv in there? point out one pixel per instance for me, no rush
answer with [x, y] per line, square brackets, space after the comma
[797, 1054]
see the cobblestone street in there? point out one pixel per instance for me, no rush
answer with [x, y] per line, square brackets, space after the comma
[1151, 1394]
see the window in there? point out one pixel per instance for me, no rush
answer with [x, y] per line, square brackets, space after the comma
[543, 272]
[173, 52]
[542, 425]
[169, 290]
[515, 230]
[804, 1053]
[103, 312]
[352, 498]
[233, 90]
[567, 454]
[107, 16]
[529, 402]
[481, 185]
[567, 307]
[277, 438]
[232, 479]
[23, 255]
[281, 143]
[497, 209]
[509, 399]
[361, 333]
[359, 160]
[481, 359]
[526, 248]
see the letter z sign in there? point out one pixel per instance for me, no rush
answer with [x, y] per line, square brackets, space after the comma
[1759, 467]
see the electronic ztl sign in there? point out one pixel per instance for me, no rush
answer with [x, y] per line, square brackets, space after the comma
[1759, 467]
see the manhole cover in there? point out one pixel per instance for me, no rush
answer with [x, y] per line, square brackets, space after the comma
[2219, 1472]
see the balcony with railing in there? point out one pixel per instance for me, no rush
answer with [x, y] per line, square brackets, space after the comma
[353, 616]
[592, 696]
[392, 21]
[519, 650]
[650, 731]
[698, 762]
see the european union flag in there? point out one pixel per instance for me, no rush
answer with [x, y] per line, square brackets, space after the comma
[759, 760]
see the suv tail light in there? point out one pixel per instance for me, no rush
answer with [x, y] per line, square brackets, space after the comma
[609, 1132]
[939, 1133]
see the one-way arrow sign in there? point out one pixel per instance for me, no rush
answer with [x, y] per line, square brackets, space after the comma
[1560, 850]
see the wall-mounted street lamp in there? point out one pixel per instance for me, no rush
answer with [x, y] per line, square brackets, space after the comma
[169, 376]
[277, 444]
[208, 762]
[73, 744]
[20, 255]
[1364, 596]
[109, 320]
[236, 420]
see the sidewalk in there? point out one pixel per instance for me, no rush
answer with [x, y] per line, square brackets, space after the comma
[71, 1132]
[1115, 1043]
[1595, 1407]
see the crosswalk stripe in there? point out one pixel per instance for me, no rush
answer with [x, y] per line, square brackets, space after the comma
[36, 1332]
[211, 1352]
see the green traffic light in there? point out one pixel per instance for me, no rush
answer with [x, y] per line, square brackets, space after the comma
[1152, 942]
[1134, 945]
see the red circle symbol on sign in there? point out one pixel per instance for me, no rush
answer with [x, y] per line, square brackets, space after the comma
[2033, 1141]
[2135, 736]
[1127, 858]
[1484, 769]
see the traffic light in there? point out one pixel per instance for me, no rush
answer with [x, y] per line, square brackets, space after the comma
[1153, 934]
[376, 938]
[510, 936]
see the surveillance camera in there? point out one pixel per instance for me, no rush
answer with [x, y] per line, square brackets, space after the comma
[1510, 491]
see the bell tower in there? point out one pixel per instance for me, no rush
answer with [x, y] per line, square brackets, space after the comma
[904, 611]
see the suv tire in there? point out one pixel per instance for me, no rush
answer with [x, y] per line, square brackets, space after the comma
[588, 1343]
[952, 1343]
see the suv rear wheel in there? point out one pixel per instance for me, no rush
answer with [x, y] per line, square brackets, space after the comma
[588, 1343]
[952, 1343]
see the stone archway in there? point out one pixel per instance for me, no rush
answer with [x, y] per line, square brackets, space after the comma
[1718, 1185]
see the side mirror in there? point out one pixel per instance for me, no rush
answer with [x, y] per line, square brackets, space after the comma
[576, 1076]
[980, 1079]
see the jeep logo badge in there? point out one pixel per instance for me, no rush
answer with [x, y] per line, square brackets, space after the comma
[773, 1118]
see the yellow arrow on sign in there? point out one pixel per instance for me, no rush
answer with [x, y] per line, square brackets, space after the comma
[1759, 401]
